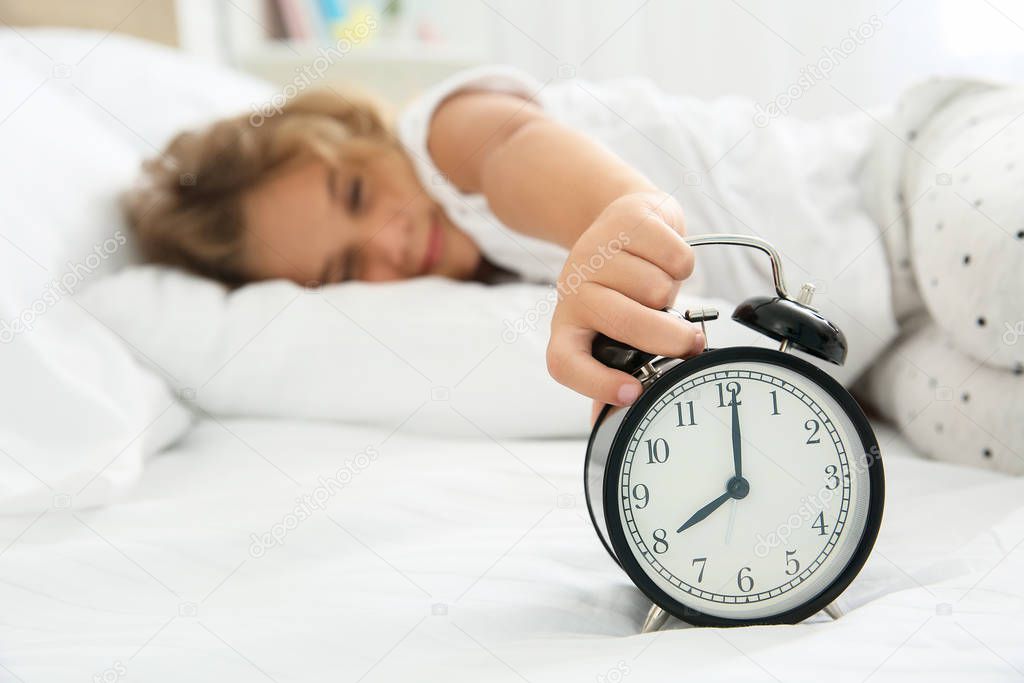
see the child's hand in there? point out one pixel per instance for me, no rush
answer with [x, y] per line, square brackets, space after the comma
[624, 269]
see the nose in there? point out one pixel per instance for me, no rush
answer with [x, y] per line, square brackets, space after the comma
[385, 254]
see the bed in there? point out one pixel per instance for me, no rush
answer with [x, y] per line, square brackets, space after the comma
[175, 504]
[463, 559]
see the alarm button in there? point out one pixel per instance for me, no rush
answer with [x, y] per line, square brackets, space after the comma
[702, 315]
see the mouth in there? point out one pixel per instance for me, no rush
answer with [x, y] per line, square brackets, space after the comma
[435, 244]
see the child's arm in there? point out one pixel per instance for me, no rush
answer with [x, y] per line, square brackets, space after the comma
[545, 180]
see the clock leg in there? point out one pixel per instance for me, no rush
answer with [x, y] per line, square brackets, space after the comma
[656, 618]
[834, 610]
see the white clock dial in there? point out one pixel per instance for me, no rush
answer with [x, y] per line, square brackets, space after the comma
[750, 531]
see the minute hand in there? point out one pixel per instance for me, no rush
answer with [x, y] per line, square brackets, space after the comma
[737, 457]
[699, 515]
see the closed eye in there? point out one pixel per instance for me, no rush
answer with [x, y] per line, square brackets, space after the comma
[332, 184]
[355, 194]
[340, 267]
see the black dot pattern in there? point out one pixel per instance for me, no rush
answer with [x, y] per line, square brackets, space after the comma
[973, 215]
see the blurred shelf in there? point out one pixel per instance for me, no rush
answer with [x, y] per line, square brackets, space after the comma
[377, 50]
[394, 70]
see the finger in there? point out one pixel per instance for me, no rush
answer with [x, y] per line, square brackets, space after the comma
[639, 279]
[570, 364]
[654, 331]
[595, 411]
[657, 242]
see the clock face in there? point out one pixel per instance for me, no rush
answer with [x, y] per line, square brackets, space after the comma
[744, 489]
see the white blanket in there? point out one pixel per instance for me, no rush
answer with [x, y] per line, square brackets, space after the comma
[947, 186]
[464, 559]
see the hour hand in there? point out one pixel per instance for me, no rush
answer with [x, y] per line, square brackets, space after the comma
[701, 514]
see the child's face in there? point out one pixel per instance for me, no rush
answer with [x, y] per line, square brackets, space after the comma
[314, 224]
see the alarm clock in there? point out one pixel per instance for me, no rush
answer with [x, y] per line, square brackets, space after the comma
[744, 485]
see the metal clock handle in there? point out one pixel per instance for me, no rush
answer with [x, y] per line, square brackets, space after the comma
[748, 241]
[835, 348]
[790, 321]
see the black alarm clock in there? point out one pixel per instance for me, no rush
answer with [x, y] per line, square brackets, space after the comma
[745, 485]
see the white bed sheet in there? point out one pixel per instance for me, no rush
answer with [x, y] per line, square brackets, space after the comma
[464, 559]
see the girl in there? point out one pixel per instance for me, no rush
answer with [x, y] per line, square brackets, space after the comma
[491, 176]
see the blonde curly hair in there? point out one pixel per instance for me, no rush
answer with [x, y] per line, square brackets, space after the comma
[186, 210]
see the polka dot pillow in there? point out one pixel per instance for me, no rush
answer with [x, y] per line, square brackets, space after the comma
[948, 404]
[967, 225]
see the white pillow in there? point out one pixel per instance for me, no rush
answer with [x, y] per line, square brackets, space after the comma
[428, 355]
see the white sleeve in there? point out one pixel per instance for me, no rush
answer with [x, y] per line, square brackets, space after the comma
[414, 121]
[531, 258]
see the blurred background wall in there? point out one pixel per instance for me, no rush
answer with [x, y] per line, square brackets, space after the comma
[757, 48]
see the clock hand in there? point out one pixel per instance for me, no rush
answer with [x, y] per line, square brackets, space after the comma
[737, 458]
[732, 520]
[701, 514]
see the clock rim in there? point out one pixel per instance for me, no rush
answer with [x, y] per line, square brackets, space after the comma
[620, 548]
